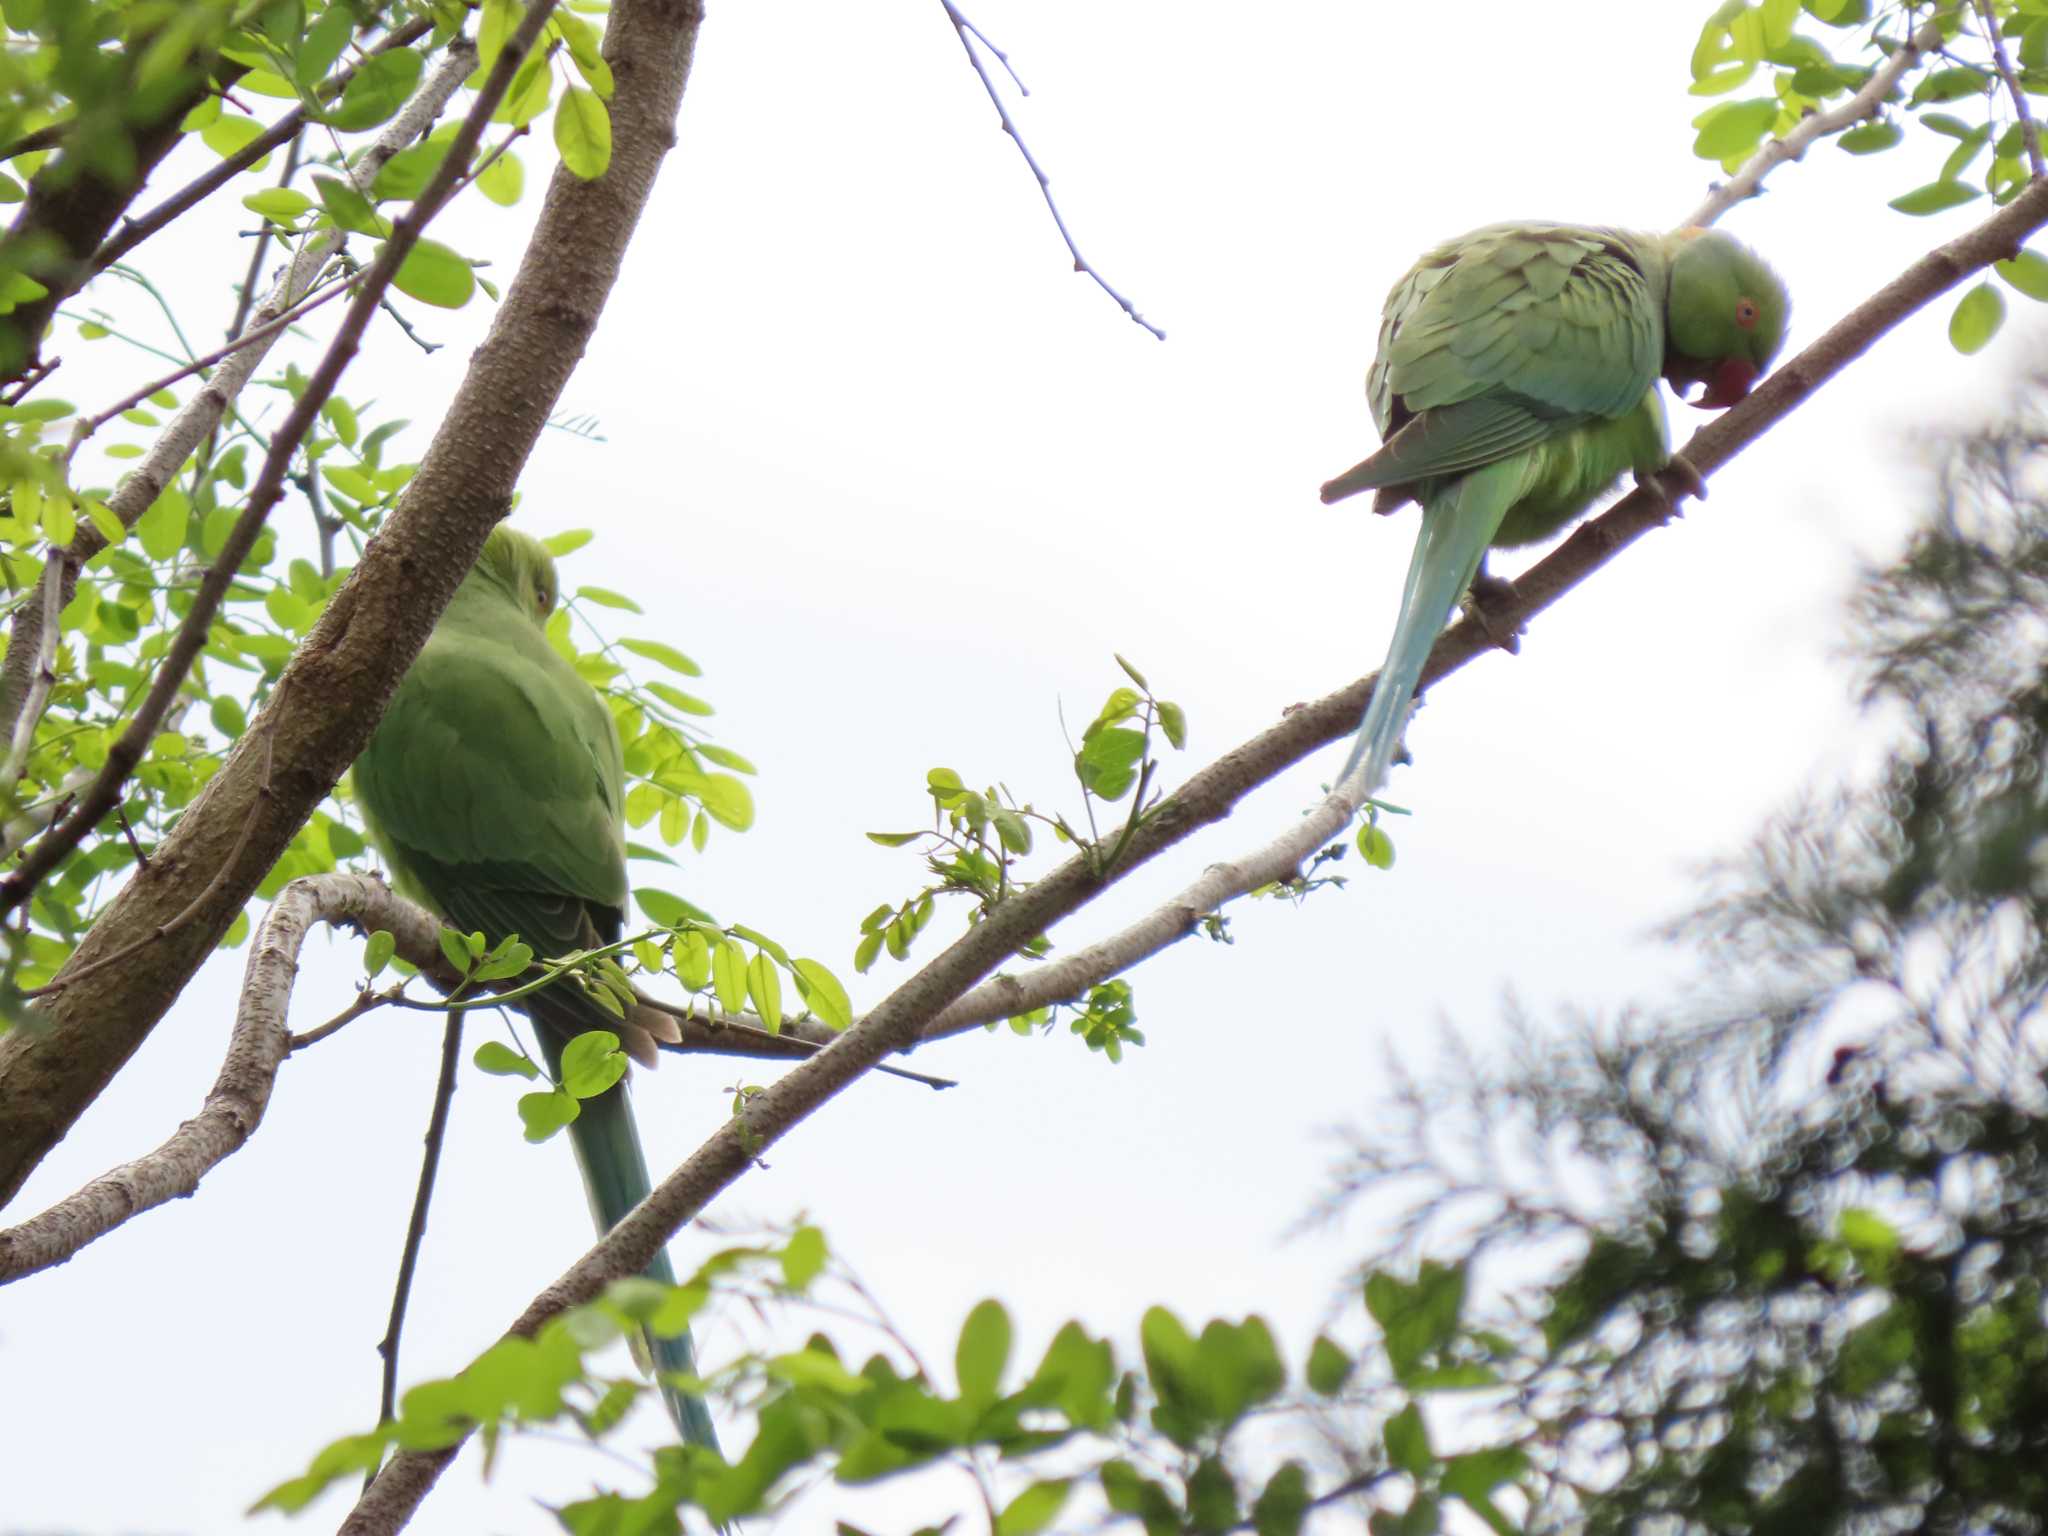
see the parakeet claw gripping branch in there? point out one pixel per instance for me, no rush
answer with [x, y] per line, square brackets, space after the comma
[1516, 380]
[494, 790]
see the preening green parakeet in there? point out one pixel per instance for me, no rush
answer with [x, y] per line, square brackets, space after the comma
[494, 790]
[1516, 380]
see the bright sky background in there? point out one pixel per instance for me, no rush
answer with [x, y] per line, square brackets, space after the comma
[902, 482]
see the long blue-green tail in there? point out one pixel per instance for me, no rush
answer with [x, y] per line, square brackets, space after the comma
[1459, 519]
[615, 1177]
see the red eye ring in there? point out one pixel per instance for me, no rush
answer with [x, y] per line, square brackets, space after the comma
[1746, 314]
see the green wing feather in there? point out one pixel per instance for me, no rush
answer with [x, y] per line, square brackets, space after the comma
[493, 787]
[1503, 339]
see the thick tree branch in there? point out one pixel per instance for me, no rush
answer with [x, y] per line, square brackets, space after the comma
[55, 1064]
[917, 1008]
[1748, 181]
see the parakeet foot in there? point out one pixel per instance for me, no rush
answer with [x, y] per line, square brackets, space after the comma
[1494, 593]
[1687, 481]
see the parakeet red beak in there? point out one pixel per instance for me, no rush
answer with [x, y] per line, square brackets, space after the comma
[1728, 383]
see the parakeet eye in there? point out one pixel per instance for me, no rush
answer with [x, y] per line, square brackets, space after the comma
[1746, 314]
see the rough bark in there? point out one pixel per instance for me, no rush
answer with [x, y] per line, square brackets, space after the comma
[58, 1059]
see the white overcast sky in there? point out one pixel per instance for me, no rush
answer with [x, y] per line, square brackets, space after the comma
[902, 482]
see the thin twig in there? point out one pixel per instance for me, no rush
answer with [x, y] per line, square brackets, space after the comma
[2014, 89]
[128, 831]
[365, 1001]
[318, 296]
[193, 630]
[1745, 183]
[405, 325]
[19, 390]
[416, 1226]
[967, 31]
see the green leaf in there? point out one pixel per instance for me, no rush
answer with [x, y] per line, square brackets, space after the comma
[1108, 761]
[1375, 847]
[322, 45]
[591, 1063]
[604, 597]
[1976, 319]
[229, 136]
[893, 839]
[162, 527]
[546, 1113]
[803, 1258]
[406, 174]
[1935, 197]
[764, 986]
[503, 181]
[1034, 1509]
[1408, 1441]
[1173, 721]
[667, 655]
[729, 975]
[436, 274]
[1950, 84]
[377, 952]
[561, 544]
[349, 209]
[1870, 138]
[500, 1060]
[380, 86]
[583, 133]
[2027, 271]
[983, 1352]
[1328, 1367]
[282, 204]
[1280, 1508]
[823, 993]
[455, 949]
[670, 911]
[1733, 129]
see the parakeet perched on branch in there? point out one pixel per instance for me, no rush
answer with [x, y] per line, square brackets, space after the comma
[1516, 380]
[494, 790]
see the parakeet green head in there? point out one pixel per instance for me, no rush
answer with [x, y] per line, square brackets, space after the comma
[521, 564]
[1724, 319]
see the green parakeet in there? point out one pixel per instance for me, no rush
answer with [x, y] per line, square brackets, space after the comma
[493, 788]
[1516, 380]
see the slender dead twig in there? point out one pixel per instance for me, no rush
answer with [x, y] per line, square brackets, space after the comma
[364, 1002]
[249, 338]
[2031, 135]
[416, 1225]
[967, 32]
[1745, 183]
